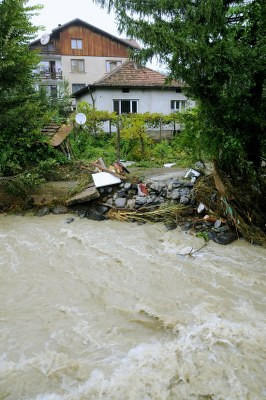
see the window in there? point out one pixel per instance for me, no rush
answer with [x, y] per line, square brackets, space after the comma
[77, 66]
[51, 90]
[111, 65]
[77, 86]
[125, 90]
[76, 44]
[178, 105]
[125, 106]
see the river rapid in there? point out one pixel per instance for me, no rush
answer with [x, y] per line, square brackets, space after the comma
[109, 310]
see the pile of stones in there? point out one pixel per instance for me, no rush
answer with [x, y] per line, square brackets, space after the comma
[153, 193]
[130, 196]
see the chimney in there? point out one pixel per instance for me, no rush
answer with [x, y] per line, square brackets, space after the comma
[59, 24]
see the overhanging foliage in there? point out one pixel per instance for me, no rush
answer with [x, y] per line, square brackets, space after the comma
[218, 47]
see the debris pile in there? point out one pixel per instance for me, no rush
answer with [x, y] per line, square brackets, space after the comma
[171, 201]
[192, 202]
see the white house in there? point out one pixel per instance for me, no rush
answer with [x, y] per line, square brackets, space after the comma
[132, 88]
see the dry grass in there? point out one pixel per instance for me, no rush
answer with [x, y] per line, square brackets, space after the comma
[167, 213]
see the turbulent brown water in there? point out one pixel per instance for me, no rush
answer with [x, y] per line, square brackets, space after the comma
[110, 310]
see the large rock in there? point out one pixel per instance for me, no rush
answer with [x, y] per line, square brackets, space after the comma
[141, 201]
[176, 183]
[156, 186]
[69, 220]
[94, 215]
[120, 202]
[223, 238]
[43, 211]
[185, 200]
[184, 192]
[91, 193]
[81, 209]
[101, 209]
[184, 196]
[59, 210]
[109, 202]
[175, 195]
[170, 186]
[217, 224]
[153, 200]
[131, 203]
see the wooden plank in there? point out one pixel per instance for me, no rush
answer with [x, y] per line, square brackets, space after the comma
[63, 132]
[93, 44]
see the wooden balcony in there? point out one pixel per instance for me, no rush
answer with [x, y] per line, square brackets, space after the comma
[49, 50]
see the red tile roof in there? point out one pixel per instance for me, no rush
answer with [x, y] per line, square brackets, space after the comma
[131, 74]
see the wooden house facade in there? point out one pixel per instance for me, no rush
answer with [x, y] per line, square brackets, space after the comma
[79, 53]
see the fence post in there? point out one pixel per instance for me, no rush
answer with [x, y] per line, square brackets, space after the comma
[118, 141]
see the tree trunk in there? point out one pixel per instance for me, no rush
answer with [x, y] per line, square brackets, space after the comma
[142, 145]
[118, 142]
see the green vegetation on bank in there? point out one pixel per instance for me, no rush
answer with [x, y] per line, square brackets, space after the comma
[90, 142]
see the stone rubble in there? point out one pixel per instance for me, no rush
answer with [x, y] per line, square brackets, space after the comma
[94, 204]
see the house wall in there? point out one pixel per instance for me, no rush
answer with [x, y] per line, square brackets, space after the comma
[93, 44]
[95, 68]
[96, 50]
[149, 100]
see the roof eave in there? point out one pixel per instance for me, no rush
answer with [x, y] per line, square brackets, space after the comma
[84, 90]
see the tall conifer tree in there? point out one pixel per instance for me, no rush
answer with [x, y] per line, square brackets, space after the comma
[218, 47]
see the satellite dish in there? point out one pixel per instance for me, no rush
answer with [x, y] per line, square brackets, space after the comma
[81, 118]
[45, 38]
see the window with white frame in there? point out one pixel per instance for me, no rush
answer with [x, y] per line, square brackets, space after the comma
[112, 64]
[77, 66]
[178, 105]
[76, 44]
[125, 106]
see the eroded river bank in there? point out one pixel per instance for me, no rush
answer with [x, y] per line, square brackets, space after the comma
[109, 310]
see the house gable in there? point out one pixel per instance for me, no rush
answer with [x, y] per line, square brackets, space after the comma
[95, 42]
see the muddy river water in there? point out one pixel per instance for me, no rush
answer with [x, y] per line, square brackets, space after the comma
[109, 310]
